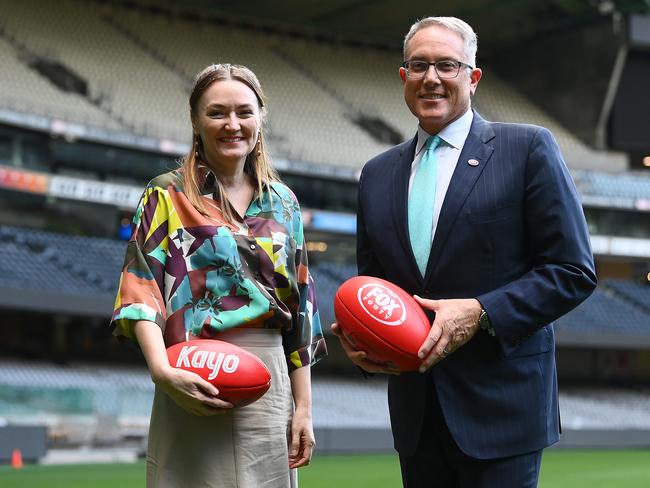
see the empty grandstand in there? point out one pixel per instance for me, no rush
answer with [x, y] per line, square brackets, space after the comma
[93, 104]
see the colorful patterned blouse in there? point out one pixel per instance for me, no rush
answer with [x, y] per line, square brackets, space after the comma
[195, 275]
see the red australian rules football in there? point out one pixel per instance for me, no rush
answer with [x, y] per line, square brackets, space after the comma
[382, 320]
[240, 376]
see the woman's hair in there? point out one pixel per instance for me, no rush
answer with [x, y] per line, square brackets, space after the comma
[258, 162]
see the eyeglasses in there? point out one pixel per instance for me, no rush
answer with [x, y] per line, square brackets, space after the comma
[445, 68]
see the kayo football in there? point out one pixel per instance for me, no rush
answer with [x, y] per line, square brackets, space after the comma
[382, 320]
[240, 376]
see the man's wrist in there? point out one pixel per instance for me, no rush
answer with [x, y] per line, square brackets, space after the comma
[484, 323]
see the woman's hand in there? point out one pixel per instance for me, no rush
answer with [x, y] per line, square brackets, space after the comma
[302, 432]
[187, 389]
[302, 438]
[191, 392]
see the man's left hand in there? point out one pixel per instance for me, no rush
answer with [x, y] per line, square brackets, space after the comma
[456, 323]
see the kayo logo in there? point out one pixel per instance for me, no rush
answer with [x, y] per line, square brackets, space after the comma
[382, 304]
[227, 363]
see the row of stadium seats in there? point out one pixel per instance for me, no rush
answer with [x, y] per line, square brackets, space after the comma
[636, 293]
[132, 89]
[328, 277]
[626, 185]
[46, 393]
[40, 260]
[139, 66]
[604, 311]
[610, 409]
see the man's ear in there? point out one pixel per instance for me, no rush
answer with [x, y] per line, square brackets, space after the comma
[474, 78]
[402, 74]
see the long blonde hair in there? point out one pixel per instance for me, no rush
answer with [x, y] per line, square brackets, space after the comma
[258, 162]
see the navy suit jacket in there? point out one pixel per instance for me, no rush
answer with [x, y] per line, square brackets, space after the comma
[512, 234]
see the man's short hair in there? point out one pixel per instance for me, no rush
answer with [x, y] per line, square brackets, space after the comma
[460, 27]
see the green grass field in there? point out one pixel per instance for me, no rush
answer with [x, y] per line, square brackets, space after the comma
[560, 469]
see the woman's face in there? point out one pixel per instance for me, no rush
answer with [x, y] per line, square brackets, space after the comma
[228, 121]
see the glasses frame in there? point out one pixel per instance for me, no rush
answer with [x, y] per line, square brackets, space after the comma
[410, 75]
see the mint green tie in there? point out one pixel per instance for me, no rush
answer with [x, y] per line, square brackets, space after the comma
[421, 201]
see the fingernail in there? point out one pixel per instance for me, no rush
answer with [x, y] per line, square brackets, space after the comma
[422, 369]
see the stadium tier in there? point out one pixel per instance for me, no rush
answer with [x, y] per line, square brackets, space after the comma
[78, 402]
[93, 103]
[638, 294]
[634, 185]
[25, 90]
[78, 266]
[129, 70]
[604, 312]
[38, 260]
[589, 408]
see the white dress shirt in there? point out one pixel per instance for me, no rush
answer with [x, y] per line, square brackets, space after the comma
[447, 154]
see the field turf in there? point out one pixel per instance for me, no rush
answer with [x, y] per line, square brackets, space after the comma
[560, 469]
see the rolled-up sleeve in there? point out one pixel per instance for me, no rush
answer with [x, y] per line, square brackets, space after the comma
[140, 294]
[304, 343]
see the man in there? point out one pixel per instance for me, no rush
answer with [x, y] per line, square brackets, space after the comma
[502, 252]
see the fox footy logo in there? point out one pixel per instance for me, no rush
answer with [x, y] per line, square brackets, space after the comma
[382, 304]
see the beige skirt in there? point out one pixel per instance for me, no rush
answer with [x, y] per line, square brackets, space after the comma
[246, 447]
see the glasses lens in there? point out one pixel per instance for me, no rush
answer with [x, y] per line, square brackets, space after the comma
[447, 68]
[417, 68]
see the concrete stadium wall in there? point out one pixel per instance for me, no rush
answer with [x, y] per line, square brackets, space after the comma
[342, 441]
[604, 439]
[31, 440]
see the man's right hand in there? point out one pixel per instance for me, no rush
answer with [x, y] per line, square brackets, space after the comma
[359, 358]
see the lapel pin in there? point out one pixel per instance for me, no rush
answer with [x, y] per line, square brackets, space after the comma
[472, 162]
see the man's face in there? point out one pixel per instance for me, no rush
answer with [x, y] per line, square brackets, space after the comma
[438, 102]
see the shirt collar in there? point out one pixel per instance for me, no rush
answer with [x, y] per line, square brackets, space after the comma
[208, 182]
[454, 134]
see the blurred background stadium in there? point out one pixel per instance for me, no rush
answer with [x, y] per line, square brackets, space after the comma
[93, 103]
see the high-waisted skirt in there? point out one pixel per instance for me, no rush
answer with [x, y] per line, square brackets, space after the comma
[246, 447]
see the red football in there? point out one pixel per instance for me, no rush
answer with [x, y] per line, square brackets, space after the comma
[383, 320]
[240, 376]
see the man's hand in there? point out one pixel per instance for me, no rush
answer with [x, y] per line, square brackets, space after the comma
[359, 357]
[456, 323]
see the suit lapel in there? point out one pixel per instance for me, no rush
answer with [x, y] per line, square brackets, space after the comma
[462, 182]
[401, 174]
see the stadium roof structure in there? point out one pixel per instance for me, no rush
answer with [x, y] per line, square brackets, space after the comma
[383, 22]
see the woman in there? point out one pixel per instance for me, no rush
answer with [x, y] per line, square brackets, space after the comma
[218, 253]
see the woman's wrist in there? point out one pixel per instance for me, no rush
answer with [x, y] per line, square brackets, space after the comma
[303, 409]
[159, 372]
[151, 343]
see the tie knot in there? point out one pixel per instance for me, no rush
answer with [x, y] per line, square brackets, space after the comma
[432, 143]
